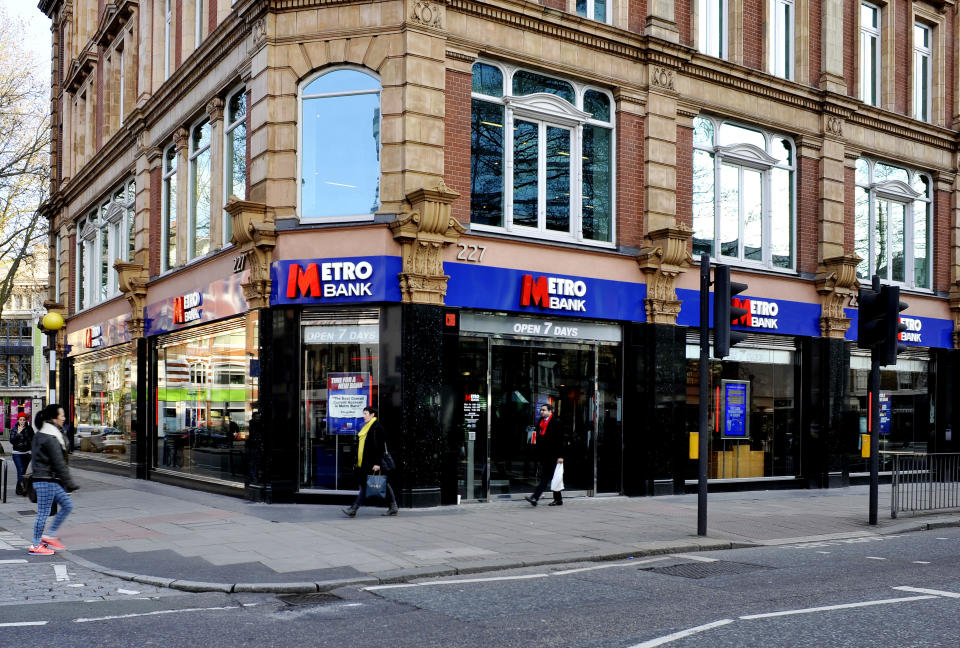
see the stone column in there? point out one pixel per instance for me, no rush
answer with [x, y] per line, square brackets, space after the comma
[180, 141]
[833, 44]
[215, 112]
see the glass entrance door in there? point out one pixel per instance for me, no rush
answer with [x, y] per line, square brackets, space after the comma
[504, 383]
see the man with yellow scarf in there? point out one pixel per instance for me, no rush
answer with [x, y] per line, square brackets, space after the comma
[372, 445]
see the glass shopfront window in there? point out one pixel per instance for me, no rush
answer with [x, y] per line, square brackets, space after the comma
[104, 404]
[207, 382]
[753, 410]
[341, 376]
[906, 407]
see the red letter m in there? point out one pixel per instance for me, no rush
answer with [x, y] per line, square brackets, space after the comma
[535, 290]
[306, 282]
[744, 320]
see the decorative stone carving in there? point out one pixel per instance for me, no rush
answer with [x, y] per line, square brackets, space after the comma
[215, 109]
[837, 283]
[423, 232]
[661, 77]
[259, 32]
[428, 14]
[833, 125]
[662, 262]
[955, 311]
[132, 279]
[255, 234]
[180, 139]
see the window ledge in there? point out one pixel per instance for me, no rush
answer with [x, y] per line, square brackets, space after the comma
[748, 267]
[541, 237]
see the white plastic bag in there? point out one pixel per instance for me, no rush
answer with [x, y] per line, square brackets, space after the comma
[557, 483]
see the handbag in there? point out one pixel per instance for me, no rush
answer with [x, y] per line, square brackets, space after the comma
[27, 480]
[386, 462]
[376, 487]
[557, 483]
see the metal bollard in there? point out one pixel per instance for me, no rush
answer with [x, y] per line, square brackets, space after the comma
[3, 480]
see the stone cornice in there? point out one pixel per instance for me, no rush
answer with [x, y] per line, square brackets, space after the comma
[80, 68]
[115, 16]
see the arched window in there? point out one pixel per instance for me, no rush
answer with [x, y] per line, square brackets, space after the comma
[541, 156]
[893, 224]
[340, 146]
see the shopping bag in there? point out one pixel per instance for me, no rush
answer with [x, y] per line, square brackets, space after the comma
[557, 483]
[376, 487]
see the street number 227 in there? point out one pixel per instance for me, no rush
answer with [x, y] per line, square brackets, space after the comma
[471, 252]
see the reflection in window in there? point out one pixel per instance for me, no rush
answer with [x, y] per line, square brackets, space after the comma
[743, 193]
[169, 209]
[869, 54]
[922, 55]
[104, 404]
[200, 175]
[340, 146]
[893, 223]
[594, 10]
[235, 140]
[560, 178]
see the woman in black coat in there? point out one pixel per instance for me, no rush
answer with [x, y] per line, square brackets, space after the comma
[21, 438]
[51, 479]
[370, 450]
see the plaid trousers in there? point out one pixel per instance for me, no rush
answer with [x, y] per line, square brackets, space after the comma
[47, 494]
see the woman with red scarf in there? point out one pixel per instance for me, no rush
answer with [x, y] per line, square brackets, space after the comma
[549, 448]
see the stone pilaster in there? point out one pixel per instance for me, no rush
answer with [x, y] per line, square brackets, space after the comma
[661, 22]
[660, 144]
[132, 279]
[837, 283]
[423, 232]
[255, 234]
[662, 262]
[831, 57]
[215, 112]
[181, 139]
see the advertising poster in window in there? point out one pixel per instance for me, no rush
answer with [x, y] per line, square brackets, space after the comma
[884, 412]
[37, 356]
[347, 395]
[736, 409]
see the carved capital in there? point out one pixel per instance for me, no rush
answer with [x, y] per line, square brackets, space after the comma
[836, 282]
[180, 139]
[215, 109]
[423, 232]
[662, 261]
[132, 279]
[255, 234]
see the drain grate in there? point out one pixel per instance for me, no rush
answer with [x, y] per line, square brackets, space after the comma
[705, 570]
[316, 598]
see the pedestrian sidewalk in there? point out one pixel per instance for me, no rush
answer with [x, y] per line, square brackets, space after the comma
[176, 537]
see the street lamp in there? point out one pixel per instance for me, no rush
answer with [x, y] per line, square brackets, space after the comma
[50, 324]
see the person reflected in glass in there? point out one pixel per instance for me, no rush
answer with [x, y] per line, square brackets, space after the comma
[548, 445]
[372, 440]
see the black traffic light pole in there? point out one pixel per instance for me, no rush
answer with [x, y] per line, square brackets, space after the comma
[873, 389]
[704, 367]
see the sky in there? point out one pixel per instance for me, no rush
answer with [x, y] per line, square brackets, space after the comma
[37, 37]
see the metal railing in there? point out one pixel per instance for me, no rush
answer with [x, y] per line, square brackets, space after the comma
[923, 482]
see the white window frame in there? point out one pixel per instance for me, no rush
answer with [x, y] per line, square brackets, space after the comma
[123, 73]
[199, 16]
[591, 12]
[545, 110]
[106, 218]
[713, 27]
[922, 92]
[193, 155]
[168, 177]
[228, 161]
[58, 250]
[352, 218]
[870, 44]
[896, 191]
[782, 37]
[748, 156]
[167, 36]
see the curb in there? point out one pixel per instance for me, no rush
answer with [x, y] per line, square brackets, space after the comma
[481, 566]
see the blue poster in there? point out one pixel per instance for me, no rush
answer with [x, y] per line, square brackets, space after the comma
[884, 412]
[736, 404]
[347, 395]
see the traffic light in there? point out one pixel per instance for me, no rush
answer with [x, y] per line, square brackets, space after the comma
[870, 320]
[724, 313]
[892, 307]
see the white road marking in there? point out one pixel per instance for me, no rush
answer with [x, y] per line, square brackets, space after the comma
[923, 590]
[659, 641]
[157, 612]
[76, 585]
[943, 538]
[563, 572]
[61, 572]
[126, 591]
[23, 623]
[458, 581]
[921, 562]
[874, 558]
[823, 552]
[696, 558]
[843, 606]
[13, 562]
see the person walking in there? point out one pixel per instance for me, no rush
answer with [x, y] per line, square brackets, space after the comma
[51, 479]
[549, 449]
[21, 438]
[370, 450]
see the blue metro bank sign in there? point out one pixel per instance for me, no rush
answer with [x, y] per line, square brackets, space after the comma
[335, 281]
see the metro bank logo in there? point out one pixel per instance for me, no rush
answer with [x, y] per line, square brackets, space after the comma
[329, 279]
[554, 293]
[760, 313]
